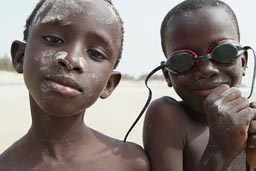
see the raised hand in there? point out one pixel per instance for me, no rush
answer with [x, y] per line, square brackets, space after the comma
[229, 116]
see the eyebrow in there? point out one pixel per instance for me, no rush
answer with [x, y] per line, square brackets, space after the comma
[55, 21]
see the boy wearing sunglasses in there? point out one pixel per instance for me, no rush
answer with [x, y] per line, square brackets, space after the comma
[207, 130]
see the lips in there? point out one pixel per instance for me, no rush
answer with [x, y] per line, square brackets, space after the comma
[205, 90]
[63, 85]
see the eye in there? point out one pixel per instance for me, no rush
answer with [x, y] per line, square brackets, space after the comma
[95, 55]
[53, 40]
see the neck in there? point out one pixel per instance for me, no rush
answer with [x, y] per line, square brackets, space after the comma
[196, 116]
[54, 130]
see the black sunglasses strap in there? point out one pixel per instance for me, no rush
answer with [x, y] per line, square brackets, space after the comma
[254, 70]
[147, 102]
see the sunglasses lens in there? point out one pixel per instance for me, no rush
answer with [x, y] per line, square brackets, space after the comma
[180, 62]
[224, 53]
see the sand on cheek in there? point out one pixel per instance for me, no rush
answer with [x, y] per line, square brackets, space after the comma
[45, 59]
[92, 90]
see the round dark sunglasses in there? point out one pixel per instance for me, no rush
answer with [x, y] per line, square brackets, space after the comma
[181, 61]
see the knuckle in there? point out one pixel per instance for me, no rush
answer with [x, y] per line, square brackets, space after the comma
[235, 91]
[253, 104]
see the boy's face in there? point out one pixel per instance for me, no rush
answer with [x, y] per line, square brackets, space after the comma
[70, 54]
[198, 31]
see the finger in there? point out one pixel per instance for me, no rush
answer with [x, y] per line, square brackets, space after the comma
[238, 104]
[251, 141]
[225, 93]
[219, 90]
[245, 116]
[231, 94]
[215, 94]
[221, 96]
[253, 104]
[252, 128]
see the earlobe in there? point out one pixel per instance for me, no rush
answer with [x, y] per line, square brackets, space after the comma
[166, 75]
[112, 83]
[17, 53]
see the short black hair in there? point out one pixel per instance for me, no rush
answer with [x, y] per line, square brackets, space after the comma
[190, 5]
[40, 4]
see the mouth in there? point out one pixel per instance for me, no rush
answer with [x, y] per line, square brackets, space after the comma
[205, 90]
[63, 85]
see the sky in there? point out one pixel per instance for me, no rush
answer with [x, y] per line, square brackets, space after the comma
[142, 19]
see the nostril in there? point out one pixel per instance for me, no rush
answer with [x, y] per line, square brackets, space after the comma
[65, 63]
[62, 63]
[68, 65]
[77, 69]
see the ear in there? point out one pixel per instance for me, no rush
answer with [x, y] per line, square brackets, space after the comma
[166, 75]
[17, 53]
[112, 83]
[244, 59]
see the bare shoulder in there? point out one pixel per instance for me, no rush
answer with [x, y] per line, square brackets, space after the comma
[135, 155]
[166, 109]
[165, 118]
[164, 134]
[124, 155]
[12, 155]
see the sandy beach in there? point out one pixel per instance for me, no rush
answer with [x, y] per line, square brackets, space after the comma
[112, 116]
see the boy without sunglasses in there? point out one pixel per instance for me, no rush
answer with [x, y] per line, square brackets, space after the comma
[71, 48]
[207, 130]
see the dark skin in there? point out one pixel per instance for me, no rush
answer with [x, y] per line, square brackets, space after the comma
[209, 132]
[67, 63]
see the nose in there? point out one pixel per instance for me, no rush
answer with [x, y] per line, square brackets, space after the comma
[72, 60]
[205, 69]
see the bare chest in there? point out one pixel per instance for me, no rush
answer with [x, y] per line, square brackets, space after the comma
[100, 165]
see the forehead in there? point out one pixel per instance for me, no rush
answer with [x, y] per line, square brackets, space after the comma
[201, 27]
[59, 9]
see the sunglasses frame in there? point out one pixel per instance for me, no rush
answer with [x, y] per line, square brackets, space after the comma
[209, 56]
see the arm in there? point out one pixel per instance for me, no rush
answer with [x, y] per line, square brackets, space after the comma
[163, 136]
[251, 151]
[251, 142]
[229, 116]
